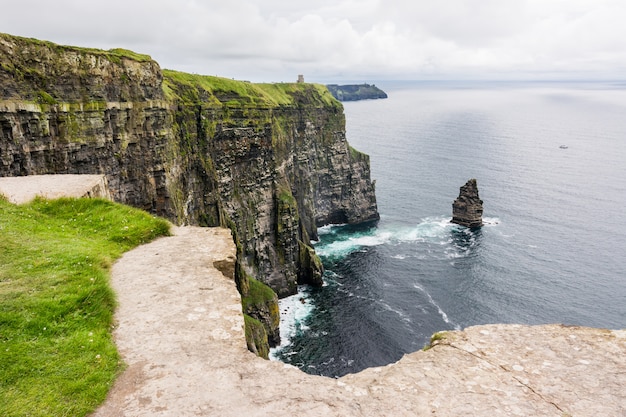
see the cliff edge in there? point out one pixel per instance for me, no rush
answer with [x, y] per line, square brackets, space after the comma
[270, 161]
[180, 331]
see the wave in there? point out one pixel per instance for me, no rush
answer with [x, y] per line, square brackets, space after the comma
[491, 221]
[337, 242]
[294, 310]
[446, 240]
[442, 313]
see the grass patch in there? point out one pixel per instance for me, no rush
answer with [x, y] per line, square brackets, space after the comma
[114, 55]
[258, 295]
[56, 305]
[435, 338]
[225, 91]
[256, 337]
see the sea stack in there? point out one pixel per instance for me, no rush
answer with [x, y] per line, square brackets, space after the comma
[467, 209]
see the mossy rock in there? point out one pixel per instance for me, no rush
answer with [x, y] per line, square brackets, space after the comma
[256, 337]
[261, 303]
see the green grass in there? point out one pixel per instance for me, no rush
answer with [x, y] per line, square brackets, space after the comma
[56, 306]
[112, 54]
[225, 91]
[436, 337]
[258, 295]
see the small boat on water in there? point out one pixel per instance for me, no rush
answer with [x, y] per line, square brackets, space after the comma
[563, 146]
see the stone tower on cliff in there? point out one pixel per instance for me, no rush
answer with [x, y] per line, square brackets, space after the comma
[467, 209]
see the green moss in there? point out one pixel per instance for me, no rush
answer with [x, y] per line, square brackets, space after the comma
[357, 155]
[286, 198]
[259, 295]
[311, 268]
[436, 338]
[45, 98]
[256, 337]
[125, 53]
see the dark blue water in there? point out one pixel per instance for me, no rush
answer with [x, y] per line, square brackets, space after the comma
[553, 249]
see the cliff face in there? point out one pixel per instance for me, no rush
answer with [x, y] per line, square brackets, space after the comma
[270, 161]
[467, 209]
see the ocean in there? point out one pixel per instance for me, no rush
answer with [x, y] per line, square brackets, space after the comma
[550, 162]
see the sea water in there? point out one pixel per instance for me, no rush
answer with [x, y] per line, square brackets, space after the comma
[550, 161]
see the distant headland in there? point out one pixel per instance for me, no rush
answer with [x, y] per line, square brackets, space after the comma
[352, 92]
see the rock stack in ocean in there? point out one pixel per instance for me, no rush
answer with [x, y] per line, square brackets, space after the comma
[467, 209]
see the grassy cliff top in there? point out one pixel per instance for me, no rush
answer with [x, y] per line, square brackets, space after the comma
[42, 71]
[193, 88]
[114, 55]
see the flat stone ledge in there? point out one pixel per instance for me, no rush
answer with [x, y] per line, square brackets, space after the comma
[180, 332]
[20, 190]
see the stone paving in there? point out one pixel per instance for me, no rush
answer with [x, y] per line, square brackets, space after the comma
[180, 331]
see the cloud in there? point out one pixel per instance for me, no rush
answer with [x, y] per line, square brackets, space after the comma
[276, 40]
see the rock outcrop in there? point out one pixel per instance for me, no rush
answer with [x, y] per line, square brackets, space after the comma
[19, 190]
[467, 209]
[353, 92]
[271, 161]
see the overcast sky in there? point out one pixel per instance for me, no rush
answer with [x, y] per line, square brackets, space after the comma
[356, 40]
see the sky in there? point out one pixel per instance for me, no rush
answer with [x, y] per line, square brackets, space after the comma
[344, 40]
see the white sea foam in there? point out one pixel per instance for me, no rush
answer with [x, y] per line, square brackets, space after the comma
[442, 313]
[400, 313]
[430, 229]
[491, 221]
[324, 230]
[293, 312]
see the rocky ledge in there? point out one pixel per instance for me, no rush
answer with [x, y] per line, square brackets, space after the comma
[180, 331]
[20, 190]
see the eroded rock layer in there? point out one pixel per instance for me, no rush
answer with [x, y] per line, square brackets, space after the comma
[269, 160]
[467, 209]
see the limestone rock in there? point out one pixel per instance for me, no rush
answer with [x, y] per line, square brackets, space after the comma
[467, 209]
[20, 190]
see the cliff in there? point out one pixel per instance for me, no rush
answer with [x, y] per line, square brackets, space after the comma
[271, 160]
[353, 92]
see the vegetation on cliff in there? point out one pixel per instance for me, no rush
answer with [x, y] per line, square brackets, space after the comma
[260, 303]
[56, 305]
[270, 161]
[218, 91]
[46, 73]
